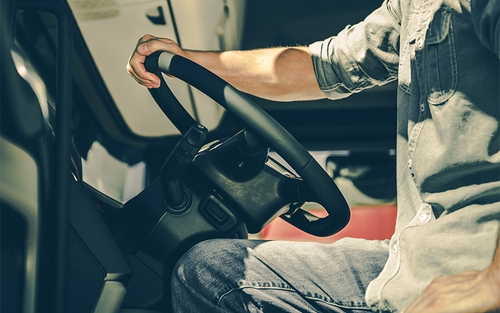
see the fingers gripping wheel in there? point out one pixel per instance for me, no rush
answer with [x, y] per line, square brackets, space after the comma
[321, 188]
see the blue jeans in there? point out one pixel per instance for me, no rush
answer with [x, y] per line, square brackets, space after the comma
[229, 275]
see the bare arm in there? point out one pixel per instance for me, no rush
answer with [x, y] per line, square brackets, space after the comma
[281, 74]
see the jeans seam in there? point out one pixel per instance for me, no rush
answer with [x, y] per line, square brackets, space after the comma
[249, 286]
[284, 287]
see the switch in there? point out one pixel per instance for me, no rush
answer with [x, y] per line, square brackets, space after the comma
[217, 214]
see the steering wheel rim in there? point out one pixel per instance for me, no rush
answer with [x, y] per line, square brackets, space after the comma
[261, 124]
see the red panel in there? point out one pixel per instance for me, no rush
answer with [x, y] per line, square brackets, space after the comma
[369, 222]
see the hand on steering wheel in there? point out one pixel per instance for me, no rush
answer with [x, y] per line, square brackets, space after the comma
[145, 47]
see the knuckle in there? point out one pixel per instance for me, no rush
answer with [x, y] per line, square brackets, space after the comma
[146, 37]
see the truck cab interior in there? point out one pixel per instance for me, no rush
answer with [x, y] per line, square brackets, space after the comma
[104, 184]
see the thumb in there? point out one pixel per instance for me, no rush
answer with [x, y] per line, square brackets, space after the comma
[143, 49]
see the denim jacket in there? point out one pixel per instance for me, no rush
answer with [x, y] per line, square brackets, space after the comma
[445, 56]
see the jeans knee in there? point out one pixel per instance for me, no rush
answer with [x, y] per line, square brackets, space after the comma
[193, 261]
[205, 262]
[215, 262]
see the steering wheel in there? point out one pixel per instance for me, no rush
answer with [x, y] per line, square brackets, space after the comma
[321, 188]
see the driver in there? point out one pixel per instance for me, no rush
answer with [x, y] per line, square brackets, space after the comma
[444, 255]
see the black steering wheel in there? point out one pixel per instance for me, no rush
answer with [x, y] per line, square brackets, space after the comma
[321, 189]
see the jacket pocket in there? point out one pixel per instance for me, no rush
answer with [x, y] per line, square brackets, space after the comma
[441, 76]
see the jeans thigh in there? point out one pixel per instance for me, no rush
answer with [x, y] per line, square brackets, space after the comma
[226, 275]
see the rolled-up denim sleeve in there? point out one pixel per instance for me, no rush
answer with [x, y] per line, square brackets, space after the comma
[486, 20]
[360, 56]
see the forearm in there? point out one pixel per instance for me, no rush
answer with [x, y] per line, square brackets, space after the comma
[281, 74]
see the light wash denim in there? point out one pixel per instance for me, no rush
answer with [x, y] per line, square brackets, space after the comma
[446, 61]
[229, 275]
